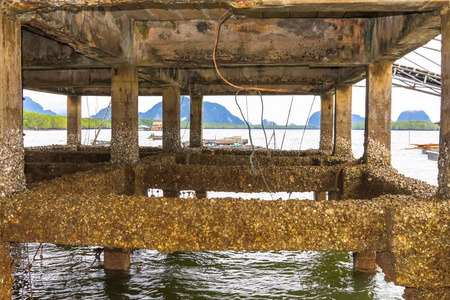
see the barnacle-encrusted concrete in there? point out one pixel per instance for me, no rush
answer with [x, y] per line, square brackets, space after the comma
[124, 114]
[74, 120]
[6, 279]
[12, 178]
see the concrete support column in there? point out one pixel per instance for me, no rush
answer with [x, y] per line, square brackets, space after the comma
[444, 145]
[343, 121]
[171, 194]
[320, 196]
[6, 279]
[365, 261]
[377, 136]
[116, 259]
[326, 122]
[201, 194]
[124, 115]
[196, 131]
[12, 178]
[171, 119]
[74, 120]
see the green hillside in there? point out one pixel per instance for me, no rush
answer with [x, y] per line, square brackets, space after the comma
[407, 125]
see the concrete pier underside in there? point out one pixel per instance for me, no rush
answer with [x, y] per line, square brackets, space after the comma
[98, 196]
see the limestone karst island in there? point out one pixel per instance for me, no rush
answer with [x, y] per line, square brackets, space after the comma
[392, 228]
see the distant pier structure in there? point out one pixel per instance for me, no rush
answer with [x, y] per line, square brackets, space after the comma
[80, 195]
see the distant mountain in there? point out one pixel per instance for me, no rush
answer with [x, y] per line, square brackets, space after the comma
[413, 115]
[314, 119]
[101, 114]
[267, 122]
[30, 105]
[357, 119]
[212, 112]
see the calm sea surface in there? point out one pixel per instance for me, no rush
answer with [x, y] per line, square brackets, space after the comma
[217, 275]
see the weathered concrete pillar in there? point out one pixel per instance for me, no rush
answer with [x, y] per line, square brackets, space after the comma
[343, 121]
[201, 194]
[74, 120]
[124, 114]
[444, 145]
[171, 119]
[196, 131]
[326, 122]
[171, 194]
[377, 136]
[6, 279]
[12, 178]
[116, 259]
[320, 196]
[365, 261]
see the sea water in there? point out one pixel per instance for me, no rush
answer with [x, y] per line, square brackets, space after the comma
[75, 273]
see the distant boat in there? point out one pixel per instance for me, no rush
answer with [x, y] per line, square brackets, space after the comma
[426, 147]
[155, 137]
[433, 155]
[144, 128]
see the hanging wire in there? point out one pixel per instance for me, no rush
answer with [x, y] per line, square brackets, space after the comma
[219, 23]
[307, 120]
[427, 58]
[88, 135]
[187, 123]
[262, 120]
[29, 273]
[253, 170]
[432, 49]
[415, 63]
[287, 122]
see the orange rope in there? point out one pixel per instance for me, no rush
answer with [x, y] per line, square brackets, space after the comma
[219, 23]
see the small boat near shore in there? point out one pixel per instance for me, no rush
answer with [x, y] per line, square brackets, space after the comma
[155, 137]
[433, 155]
[426, 147]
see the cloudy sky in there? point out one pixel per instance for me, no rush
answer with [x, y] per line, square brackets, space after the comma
[276, 107]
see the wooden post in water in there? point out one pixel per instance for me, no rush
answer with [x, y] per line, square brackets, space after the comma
[74, 120]
[124, 114]
[171, 119]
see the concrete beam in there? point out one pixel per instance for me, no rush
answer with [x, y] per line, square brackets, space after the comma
[173, 224]
[39, 52]
[329, 42]
[248, 5]
[95, 33]
[74, 120]
[265, 75]
[237, 178]
[287, 80]
[171, 119]
[377, 135]
[72, 78]
[12, 178]
[124, 114]
[394, 36]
